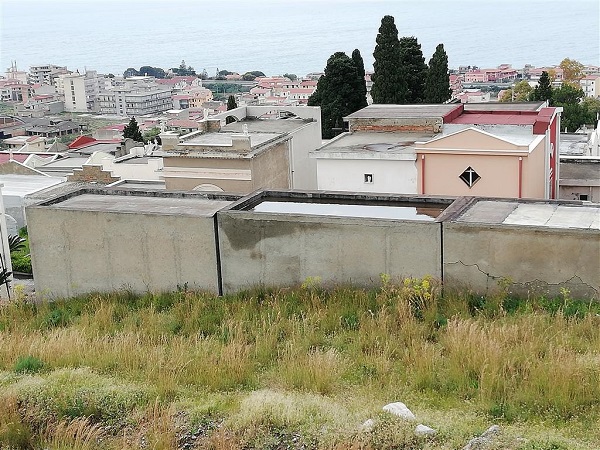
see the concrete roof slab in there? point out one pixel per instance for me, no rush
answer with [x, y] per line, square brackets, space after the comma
[195, 207]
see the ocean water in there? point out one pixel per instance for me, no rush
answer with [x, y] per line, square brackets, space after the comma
[279, 36]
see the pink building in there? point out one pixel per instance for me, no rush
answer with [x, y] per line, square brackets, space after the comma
[493, 151]
[472, 149]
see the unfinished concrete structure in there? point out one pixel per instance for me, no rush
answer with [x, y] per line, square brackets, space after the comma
[103, 240]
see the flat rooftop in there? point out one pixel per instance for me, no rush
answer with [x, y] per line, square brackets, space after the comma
[137, 204]
[373, 145]
[499, 106]
[547, 215]
[573, 144]
[265, 125]
[403, 111]
[225, 139]
[22, 185]
[498, 118]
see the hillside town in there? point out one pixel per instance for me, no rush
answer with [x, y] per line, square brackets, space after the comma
[402, 257]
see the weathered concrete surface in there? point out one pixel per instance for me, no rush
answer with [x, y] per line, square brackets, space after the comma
[77, 250]
[533, 259]
[284, 250]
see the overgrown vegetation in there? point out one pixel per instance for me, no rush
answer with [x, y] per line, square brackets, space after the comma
[19, 252]
[299, 368]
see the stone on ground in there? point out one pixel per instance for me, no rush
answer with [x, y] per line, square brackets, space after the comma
[400, 409]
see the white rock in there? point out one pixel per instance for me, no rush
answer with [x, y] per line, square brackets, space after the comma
[424, 430]
[368, 425]
[400, 409]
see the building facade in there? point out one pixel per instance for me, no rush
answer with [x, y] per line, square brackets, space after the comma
[135, 96]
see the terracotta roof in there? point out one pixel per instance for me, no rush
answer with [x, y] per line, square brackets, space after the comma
[81, 141]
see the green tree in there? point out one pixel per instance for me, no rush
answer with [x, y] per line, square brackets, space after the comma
[567, 94]
[335, 94]
[521, 92]
[291, 76]
[132, 131]
[575, 113]
[543, 91]
[150, 71]
[389, 85]
[414, 69]
[231, 104]
[152, 134]
[361, 94]
[437, 82]
[593, 107]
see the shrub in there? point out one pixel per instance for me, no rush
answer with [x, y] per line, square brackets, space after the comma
[28, 364]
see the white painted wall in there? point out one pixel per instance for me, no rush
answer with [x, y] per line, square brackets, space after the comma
[390, 176]
[150, 171]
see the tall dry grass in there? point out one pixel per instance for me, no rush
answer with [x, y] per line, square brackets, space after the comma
[506, 359]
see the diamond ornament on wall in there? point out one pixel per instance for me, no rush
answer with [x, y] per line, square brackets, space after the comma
[469, 176]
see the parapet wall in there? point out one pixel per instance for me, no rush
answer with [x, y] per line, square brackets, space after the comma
[523, 259]
[228, 246]
[276, 249]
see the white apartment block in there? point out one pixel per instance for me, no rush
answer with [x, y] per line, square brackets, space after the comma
[71, 87]
[135, 96]
[591, 86]
[45, 74]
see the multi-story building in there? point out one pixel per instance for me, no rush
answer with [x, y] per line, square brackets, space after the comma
[79, 91]
[71, 87]
[135, 96]
[45, 74]
[590, 85]
[13, 90]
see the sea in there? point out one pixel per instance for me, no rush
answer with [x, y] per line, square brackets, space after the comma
[289, 36]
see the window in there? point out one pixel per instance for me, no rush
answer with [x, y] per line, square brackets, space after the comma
[469, 176]
[583, 197]
[368, 178]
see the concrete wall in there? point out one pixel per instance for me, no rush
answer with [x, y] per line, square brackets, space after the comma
[535, 260]
[284, 250]
[392, 176]
[304, 168]
[75, 252]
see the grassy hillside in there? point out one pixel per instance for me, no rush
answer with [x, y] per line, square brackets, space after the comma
[301, 368]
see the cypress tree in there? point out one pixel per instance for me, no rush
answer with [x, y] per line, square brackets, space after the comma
[543, 91]
[361, 94]
[336, 93]
[231, 104]
[132, 131]
[437, 83]
[414, 69]
[388, 83]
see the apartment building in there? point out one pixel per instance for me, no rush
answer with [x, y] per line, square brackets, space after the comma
[591, 85]
[45, 74]
[135, 96]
